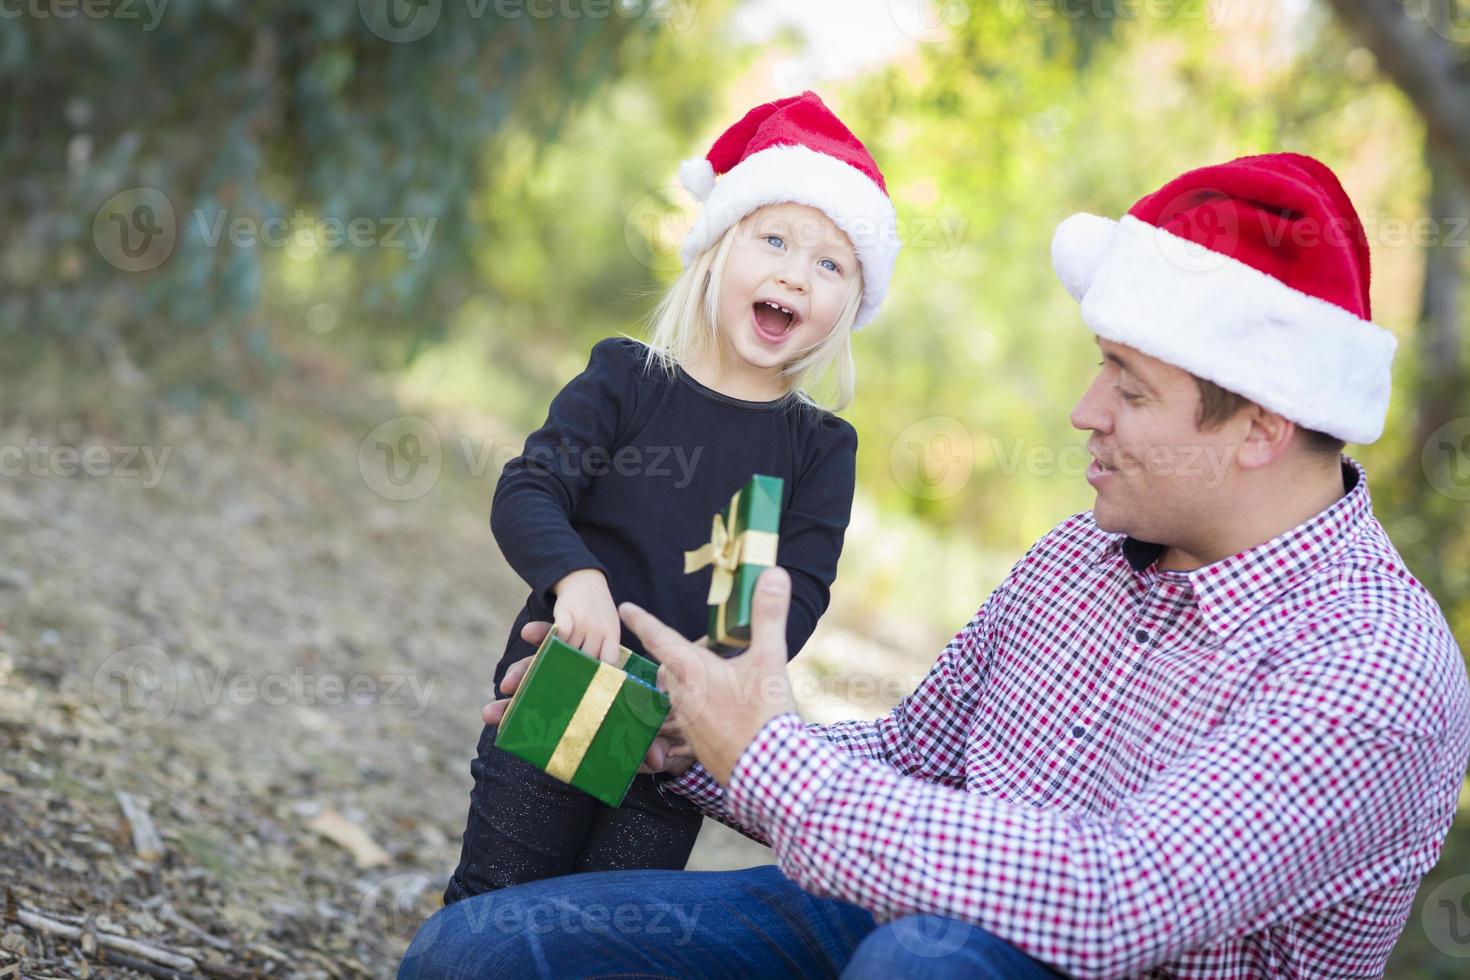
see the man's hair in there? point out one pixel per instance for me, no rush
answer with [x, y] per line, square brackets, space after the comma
[1217, 406]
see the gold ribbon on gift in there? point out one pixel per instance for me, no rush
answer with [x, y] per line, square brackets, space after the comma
[727, 551]
[586, 720]
[722, 633]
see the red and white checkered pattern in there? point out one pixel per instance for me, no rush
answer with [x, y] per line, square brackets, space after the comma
[1238, 771]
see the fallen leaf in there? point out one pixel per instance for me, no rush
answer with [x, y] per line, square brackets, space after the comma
[350, 837]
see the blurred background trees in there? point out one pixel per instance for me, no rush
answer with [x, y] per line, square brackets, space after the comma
[278, 110]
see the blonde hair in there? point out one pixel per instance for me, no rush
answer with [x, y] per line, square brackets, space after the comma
[684, 326]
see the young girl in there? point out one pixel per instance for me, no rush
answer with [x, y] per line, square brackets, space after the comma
[792, 250]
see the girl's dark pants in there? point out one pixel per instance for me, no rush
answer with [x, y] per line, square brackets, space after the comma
[525, 826]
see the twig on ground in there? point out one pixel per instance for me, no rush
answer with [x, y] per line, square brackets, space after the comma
[44, 924]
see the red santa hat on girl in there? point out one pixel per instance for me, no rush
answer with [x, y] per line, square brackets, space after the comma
[796, 151]
[1252, 274]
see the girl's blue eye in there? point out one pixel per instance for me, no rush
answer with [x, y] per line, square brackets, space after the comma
[776, 239]
[833, 266]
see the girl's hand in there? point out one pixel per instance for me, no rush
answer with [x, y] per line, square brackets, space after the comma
[586, 616]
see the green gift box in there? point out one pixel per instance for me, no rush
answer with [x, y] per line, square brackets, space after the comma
[586, 722]
[742, 542]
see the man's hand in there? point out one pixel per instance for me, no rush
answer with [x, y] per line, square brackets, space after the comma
[532, 633]
[585, 615]
[669, 752]
[720, 704]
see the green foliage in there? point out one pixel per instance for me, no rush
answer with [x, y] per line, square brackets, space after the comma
[579, 234]
[275, 109]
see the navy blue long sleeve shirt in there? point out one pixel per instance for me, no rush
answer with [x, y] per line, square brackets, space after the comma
[628, 472]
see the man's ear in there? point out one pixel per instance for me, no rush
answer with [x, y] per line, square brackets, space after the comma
[1268, 437]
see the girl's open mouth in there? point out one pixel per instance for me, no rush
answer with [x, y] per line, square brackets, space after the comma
[773, 322]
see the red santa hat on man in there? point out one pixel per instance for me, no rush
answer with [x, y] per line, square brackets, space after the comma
[795, 150]
[1252, 274]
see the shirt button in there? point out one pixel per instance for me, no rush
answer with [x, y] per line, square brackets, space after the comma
[1078, 731]
[1141, 636]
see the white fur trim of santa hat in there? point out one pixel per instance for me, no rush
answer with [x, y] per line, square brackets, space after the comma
[1222, 320]
[798, 175]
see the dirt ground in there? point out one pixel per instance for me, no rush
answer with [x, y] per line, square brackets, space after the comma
[243, 632]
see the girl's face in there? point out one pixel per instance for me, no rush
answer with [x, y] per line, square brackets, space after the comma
[786, 281]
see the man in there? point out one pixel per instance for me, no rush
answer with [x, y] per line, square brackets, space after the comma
[1212, 728]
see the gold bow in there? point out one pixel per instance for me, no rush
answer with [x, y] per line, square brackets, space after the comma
[727, 551]
[723, 552]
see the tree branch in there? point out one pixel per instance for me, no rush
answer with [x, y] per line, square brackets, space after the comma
[1428, 67]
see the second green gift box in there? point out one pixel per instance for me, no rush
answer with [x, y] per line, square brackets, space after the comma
[743, 542]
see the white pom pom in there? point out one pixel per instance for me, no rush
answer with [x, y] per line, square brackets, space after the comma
[1077, 249]
[698, 176]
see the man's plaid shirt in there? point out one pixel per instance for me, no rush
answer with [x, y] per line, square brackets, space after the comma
[1242, 770]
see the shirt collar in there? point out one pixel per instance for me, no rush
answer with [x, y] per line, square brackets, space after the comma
[1229, 590]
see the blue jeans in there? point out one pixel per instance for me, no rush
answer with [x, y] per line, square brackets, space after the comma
[751, 923]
